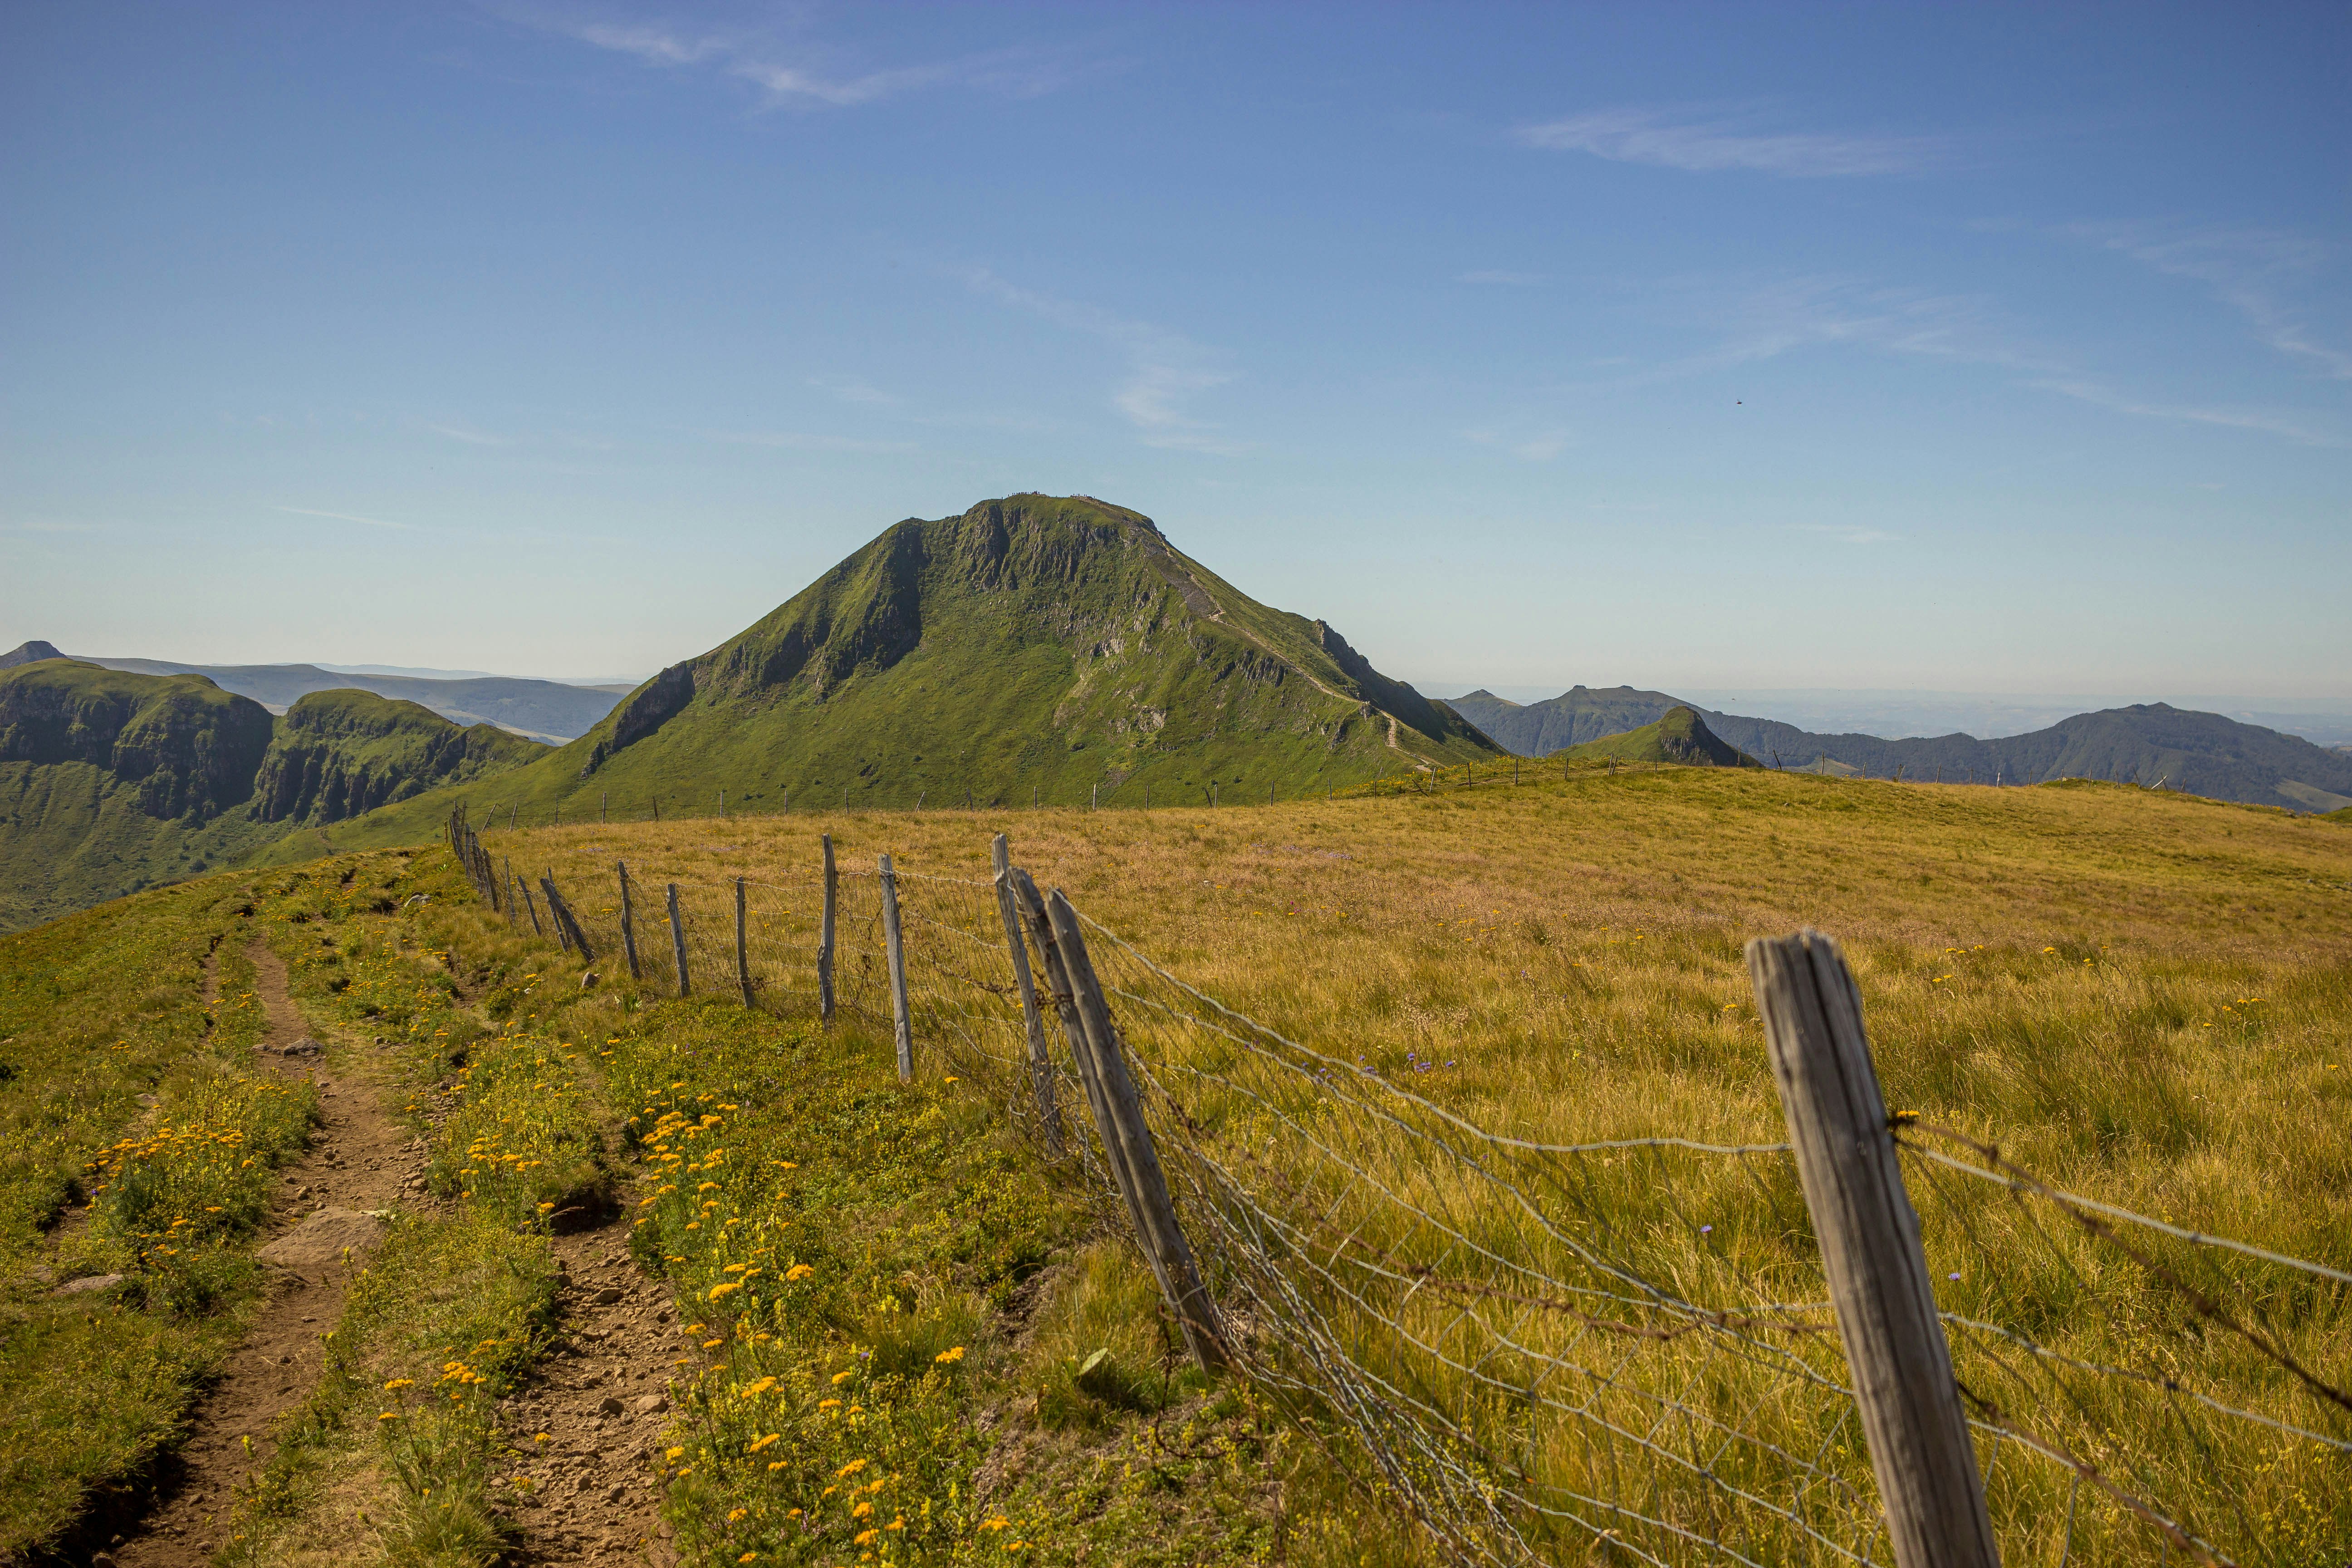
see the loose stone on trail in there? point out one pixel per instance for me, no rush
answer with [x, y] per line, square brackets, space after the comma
[323, 1238]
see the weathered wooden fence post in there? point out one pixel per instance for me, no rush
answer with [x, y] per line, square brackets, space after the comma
[1163, 1238]
[507, 887]
[528, 907]
[562, 937]
[567, 924]
[825, 936]
[1032, 907]
[1869, 1236]
[1041, 1062]
[677, 943]
[628, 925]
[902, 1027]
[742, 953]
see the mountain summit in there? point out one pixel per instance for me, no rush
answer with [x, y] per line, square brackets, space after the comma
[1057, 645]
[1054, 643]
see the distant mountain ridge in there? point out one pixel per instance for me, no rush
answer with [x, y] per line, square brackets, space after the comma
[2149, 743]
[110, 780]
[542, 710]
[1678, 736]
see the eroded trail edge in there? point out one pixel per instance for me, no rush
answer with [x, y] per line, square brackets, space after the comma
[321, 1227]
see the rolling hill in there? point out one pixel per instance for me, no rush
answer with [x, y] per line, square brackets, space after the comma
[1678, 736]
[541, 710]
[2150, 744]
[1054, 645]
[111, 781]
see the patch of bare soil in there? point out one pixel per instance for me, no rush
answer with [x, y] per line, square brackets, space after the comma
[360, 1160]
[591, 1493]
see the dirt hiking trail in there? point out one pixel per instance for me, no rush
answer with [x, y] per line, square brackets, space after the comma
[601, 1399]
[360, 1160]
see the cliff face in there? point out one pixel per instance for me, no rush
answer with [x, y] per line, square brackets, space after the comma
[190, 749]
[111, 781]
[339, 753]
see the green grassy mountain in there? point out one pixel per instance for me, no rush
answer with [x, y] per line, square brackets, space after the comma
[2150, 744]
[544, 709]
[1057, 645]
[112, 781]
[1678, 736]
[337, 754]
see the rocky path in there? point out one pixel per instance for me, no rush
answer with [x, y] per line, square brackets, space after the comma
[601, 1400]
[360, 1160]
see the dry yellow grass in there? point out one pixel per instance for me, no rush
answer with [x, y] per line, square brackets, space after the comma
[2141, 997]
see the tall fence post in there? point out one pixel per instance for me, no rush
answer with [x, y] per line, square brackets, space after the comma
[1032, 906]
[1163, 1238]
[528, 907]
[825, 936]
[902, 1027]
[507, 887]
[677, 943]
[567, 924]
[1869, 1236]
[1041, 1062]
[562, 936]
[628, 925]
[742, 953]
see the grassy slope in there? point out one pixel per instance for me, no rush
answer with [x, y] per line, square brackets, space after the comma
[338, 754]
[888, 1225]
[96, 1012]
[1566, 953]
[943, 658]
[1679, 738]
[75, 829]
[1561, 962]
[73, 833]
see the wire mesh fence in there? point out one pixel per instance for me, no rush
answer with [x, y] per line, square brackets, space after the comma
[1621, 1351]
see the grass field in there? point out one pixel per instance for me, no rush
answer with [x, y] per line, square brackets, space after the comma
[128, 1100]
[2141, 998]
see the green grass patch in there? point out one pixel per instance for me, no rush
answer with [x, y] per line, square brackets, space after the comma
[121, 1088]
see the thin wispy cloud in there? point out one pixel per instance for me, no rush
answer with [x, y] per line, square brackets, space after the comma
[794, 71]
[2255, 272]
[1831, 311]
[804, 441]
[1165, 370]
[1536, 449]
[1707, 145]
[857, 391]
[340, 517]
[44, 525]
[2291, 426]
[471, 437]
[1845, 534]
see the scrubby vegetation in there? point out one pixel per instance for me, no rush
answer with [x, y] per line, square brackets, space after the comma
[137, 1141]
[903, 1322]
[1560, 962]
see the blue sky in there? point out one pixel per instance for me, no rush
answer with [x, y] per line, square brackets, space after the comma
[1962, 348]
